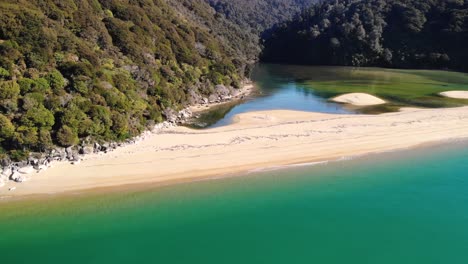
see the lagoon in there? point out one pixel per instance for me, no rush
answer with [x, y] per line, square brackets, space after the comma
[309, 88]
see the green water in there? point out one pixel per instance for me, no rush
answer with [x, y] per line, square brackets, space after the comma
[402, 207]
[309, 88]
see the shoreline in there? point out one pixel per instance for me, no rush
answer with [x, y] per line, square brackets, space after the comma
[153, 185]
[255, 140]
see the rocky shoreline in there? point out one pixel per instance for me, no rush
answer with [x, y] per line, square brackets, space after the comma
[19, 172]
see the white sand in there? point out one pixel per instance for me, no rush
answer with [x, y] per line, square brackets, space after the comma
[455, 94]
[256, 140]
[358, 99]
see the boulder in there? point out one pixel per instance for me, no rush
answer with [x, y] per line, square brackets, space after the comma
[85, 150]
[213, 98]
[42, 168]
[26, 170]
[18, 177]
[33, 161]
[97, 147]
[58, 154]
[222, 90]
[5, 162]
[184, 114]
[71, 153]
[194, 97]
[170, 114]
[6, 173]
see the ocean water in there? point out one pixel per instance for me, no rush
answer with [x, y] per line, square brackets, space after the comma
[399, 207]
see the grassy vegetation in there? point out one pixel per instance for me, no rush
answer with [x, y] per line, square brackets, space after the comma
[401, 87]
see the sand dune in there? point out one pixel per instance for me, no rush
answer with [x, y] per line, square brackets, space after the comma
[455, 94]
[258, 139]
[358, 99]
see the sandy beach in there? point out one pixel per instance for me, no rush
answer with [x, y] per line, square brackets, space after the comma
[254, 140]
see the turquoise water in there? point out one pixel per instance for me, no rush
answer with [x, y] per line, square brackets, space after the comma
[402, 207]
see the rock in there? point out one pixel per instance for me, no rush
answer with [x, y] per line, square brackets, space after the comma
[6, 173]
[33, 161]
[85, 150]
[97, 147]
[20, 164]
[205, 100]
[213, 98]
[26, 170]
[2, 183]
[42, 168]
[105, 147]
[170, 114]
[222, 90]
[194, 97]
[12, 189]
[58, 154]
[5, 162]
[184, 114]
[71, 153]
[17, 177]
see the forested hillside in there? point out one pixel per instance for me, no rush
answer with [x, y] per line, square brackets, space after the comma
[259, 15]
[389, 33]
[106, 69]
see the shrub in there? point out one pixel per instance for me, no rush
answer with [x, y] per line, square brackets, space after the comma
[66, 137]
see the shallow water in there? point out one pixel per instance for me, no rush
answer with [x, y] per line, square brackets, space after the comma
[309, 88]
[401, 207]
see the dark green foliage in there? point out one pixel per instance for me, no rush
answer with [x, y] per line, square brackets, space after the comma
[259, 15]
[106, 69]
[390, 33]
[7, 129]
[66, 137]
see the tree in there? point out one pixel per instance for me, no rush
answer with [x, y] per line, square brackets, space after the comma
[7, 128]
[26, 136]
[45, 140]
[56, 80]
[9, 90]
[66, 137]
[4, 74]
[38, 117]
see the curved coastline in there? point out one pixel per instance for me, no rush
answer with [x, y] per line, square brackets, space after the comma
[257, 140]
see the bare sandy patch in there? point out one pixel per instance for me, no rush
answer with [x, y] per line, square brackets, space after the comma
[358, 99]
[455, 94]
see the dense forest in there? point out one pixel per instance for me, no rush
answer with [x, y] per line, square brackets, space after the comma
[259, 15]
[107, 69]
[389, 33]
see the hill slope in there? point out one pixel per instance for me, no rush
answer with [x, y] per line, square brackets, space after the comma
[106, 69]
[259, 15]
[393, 33]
